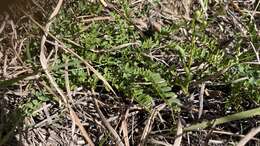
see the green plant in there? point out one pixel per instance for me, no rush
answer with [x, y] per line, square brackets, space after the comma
[34, 103]
[134, 70]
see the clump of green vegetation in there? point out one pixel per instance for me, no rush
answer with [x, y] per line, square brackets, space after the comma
[144, 64]
[129, 62]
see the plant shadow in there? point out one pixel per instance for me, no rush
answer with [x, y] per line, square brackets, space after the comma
[11, 120]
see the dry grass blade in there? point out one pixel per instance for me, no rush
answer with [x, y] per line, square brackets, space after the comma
[124, 129]
[249, 136]
[204, 8]
[255, 10]
[76, 119]
[45, 109]
[67, 84]
[99, 18]
[44, 64]
[108, 126]
[2, 27]
[256, 52]
[103, 3]
[233, 134]
[225, 119]
[177, 141]
[149, 123]
[202, 90]
[157, 142]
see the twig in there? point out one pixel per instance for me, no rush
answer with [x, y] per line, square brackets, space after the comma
[69, 95]
[249, 136]
[256, 52]
[45, 109]
[67, 81]
[108, 126]
[177, 141]
[82, 129]
[157, 142]
[233, 117]
[201, 99]
[74, 118]
[2, 27]
[233, 134]
[125, 129]
[99, 18]
[255, 10]
[44, 65]
[103, 3]
[149, 123]
[45, 121]
[204, 8]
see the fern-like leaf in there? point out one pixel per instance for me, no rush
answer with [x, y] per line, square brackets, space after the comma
[143, 99]
[161, 87]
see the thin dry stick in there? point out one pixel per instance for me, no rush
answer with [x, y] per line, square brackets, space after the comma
[81, 128]
[204, 8]
[233, 117]
[202, 90]
[103, 3]
[149, 123]
[74, 117]
[255, 10]
[67, 82]
[99, 18]
[256, 52]
[5, 74]
[44, 65]
[40, 109]
[233, 134]
[43, 58]
[177, 141]
[108, 126]
[157, 142]
[2, 27]
[69, 95]
[45, 109]
[125, 129]
[249, 136]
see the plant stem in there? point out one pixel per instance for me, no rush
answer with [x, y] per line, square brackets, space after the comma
[233, 117]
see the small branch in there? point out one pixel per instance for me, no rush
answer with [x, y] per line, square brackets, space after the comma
[149, 123]
[233, 117]
[44, 64]
[249, 136]
[202, 90]
[108, 126]
[256, 52]
[178, 139]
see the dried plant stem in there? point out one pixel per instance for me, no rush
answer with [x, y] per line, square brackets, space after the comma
[108, 126]
[233, 117]
[44, 64]
[249, 136]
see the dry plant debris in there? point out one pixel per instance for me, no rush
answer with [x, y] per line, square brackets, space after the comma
[136, 72]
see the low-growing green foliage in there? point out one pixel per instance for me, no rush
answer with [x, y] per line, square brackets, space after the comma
[32, 104]
[133, 71]
[145, 65]
[129, 60]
